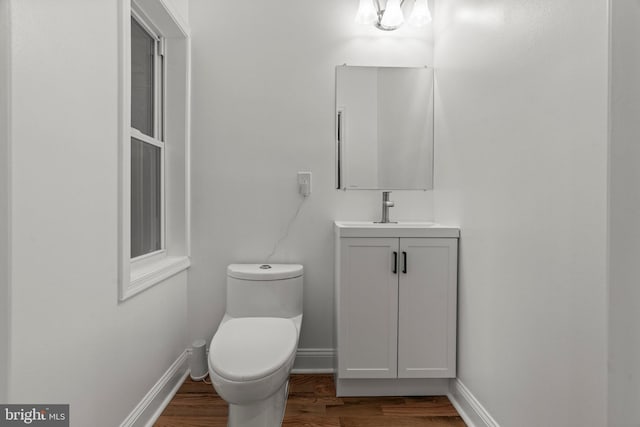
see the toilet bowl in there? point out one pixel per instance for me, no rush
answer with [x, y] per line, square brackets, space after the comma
[252, 352]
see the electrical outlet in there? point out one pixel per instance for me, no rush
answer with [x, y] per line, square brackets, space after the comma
[304, 183]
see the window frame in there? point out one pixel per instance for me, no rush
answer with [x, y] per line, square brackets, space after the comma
[165, 26]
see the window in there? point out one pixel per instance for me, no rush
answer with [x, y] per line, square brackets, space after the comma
[147, 146]
[154, 145]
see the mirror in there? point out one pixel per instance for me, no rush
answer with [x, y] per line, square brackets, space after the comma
[384, 128]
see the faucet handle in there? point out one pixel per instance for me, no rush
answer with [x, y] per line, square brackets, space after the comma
[385, 199]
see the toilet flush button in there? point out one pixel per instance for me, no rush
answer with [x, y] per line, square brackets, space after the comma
[265, 267]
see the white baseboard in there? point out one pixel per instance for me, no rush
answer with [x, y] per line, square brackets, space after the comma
[469, 408]
[151, 406]
[314, 361]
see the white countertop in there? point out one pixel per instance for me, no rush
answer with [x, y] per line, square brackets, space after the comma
[399, 229]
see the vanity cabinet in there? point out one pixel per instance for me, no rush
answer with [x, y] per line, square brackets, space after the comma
[396, 299]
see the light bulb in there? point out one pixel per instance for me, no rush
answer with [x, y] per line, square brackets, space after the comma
[366, 13]
[392, 17]
[420, 15]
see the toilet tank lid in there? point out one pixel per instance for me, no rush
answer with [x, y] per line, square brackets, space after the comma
[264, 271]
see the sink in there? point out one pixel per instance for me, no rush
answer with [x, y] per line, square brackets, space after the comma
[399, 229]
[400, 224]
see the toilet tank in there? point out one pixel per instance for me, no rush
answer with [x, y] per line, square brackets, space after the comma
[264, 290]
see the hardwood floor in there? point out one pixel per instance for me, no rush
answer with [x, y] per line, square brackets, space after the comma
[313, 403]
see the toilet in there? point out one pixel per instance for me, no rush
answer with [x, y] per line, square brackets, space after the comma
[252, 352]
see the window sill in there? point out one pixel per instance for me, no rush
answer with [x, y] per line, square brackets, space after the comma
[149, 274]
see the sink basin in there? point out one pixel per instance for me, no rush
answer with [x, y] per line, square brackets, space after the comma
[400, 224]
[399, 229]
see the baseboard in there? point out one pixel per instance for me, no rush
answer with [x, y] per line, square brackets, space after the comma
[151, 406]
[314, 361]
[469, 408]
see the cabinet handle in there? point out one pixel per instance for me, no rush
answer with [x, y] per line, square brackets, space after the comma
[395, 262]
[339, 150]
[404, 267]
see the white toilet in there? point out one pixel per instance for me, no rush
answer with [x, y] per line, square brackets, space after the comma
[252, 352]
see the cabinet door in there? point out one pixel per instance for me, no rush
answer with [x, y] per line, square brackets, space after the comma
[427, 308]
[367, 308]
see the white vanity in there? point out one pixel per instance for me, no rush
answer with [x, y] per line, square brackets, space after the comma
[396, 298]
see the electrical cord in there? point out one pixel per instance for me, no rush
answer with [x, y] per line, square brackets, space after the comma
[286, 231]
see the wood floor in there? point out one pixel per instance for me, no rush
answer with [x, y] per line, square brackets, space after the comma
[313, 403]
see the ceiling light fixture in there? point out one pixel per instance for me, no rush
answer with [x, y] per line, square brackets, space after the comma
[390, 17]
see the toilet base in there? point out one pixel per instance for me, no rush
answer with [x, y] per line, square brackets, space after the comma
[264, 413]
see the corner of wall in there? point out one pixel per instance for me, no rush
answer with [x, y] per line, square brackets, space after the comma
[468, 406]
[5, 88]
[623, 375]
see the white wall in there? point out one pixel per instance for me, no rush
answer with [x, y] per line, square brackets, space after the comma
[624, 296]
[263, 109]
[4, 198]
[521, 166]
[71, 341]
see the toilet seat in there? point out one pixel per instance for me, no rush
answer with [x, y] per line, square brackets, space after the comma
[250, 348]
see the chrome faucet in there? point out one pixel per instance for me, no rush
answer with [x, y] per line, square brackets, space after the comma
[386, 204]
